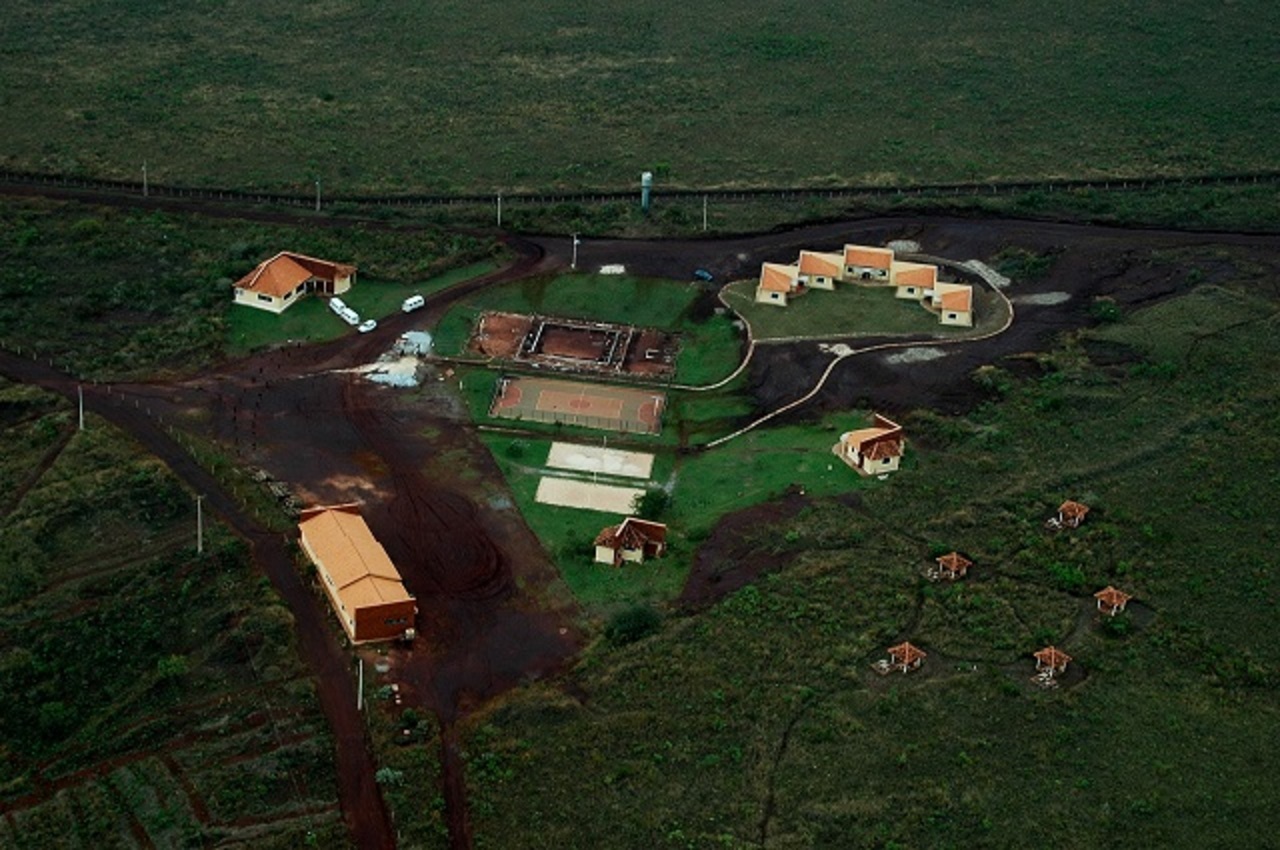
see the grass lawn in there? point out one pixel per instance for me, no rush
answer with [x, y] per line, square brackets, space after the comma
[494, 97]
[850, 311]
[311, 320]
[761, 717]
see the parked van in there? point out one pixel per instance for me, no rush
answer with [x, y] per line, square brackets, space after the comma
[337, 305]
[413, 302]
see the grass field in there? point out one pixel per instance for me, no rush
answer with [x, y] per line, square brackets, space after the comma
[149, 691]
[759, 720]
[113, 293]
[710, 344]
[489, 97]
[310, 320]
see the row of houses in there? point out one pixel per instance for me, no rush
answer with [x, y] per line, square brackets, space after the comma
[953, 302]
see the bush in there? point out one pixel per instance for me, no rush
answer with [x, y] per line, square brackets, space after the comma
[631, 625]
[651, 504]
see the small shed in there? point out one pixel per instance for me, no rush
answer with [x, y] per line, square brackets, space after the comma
[1111, 601]
[906, 657]
[1071, 514]
[1052, 660]
[953, 565]
[633, 539]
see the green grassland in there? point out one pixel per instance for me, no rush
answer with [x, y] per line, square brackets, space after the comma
[710, 345]
[134, 668]
[759, 720]
[113, 293]
[463, 96]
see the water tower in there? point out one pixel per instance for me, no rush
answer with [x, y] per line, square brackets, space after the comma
[646, 184]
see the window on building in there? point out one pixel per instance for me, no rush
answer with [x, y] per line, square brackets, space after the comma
[951, 315]
[266, 298]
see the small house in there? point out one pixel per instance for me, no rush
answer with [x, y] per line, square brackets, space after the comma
[777, 284]
[634, 539]
[953, 566]
[906, 657]
[953, 303]
[280, 282]
[817, 270]
[862, 262]
[872, 451]
[913, 280]
[362, 584]
[1051, 660]
[1111, 601]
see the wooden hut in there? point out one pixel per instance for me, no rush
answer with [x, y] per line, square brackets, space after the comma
[952, 566]
[1111, 601]
[1052, 660]
[906, 657]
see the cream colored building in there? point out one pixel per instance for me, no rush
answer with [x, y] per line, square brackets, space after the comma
[872, 451]
[863, 262]
[817, 270]
[280, 282]
[777, 284]
[913, 280]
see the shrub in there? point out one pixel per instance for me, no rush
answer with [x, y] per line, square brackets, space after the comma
[632, 624]
[651, 504]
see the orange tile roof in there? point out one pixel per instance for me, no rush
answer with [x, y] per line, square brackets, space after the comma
[814, 262]
[864, 255]
[955, 562]
[339, 539]
[775, 277]
[907, 653]
[878, 435]
[1053, 657]
[914, 274]
[282, 273]
[1111, 597]
[956, 298]
[1070, 509]
[632, 533]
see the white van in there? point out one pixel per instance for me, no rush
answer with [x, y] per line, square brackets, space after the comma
[337, 305]
[413, 302]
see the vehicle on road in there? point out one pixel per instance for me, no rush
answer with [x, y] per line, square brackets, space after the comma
[413, 302]
[367, 325]
[704, 275]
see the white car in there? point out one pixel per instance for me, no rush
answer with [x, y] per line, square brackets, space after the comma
[351, 317]
[367, 325]
[337, 305]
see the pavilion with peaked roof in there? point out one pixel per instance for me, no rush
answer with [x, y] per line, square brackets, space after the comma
[953, 565]
[906, 656]
[1111, 601]
[1071, 514]
[1051, 660]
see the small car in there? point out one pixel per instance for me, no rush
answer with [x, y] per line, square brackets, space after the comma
[367, 325]
[704, 275]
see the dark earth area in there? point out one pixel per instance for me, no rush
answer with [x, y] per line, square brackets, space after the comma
[494, 613]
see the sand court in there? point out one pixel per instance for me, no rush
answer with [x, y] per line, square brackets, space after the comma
[599, 459]
[572, 493]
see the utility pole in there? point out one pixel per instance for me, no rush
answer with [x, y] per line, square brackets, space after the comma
[360, 687]
[80, 398]
[704, 213]
[199, 525]
[317, 194]
[499, 209]
[145, 187]
[576, 242]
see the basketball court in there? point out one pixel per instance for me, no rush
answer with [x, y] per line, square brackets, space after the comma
[633, 411]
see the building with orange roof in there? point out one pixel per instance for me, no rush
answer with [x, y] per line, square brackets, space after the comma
[817, 270]
[362, 584]
[953, 303]
[281, 281]
[863, 262]
[906, 657]
[1051, 660]
[912, 280]
[1111, 601]
[633, 540]
[777, 283]
[1071, 514]
[872, 451]
[953, 565]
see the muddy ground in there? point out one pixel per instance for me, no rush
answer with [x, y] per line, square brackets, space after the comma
[493, 610]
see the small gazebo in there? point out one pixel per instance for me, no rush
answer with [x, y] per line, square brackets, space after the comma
[906, 657]
[953, 565]
[1111, 601]
[1071, 514]
[1052, 660]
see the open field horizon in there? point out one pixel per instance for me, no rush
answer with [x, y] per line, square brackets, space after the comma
[493, 97]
